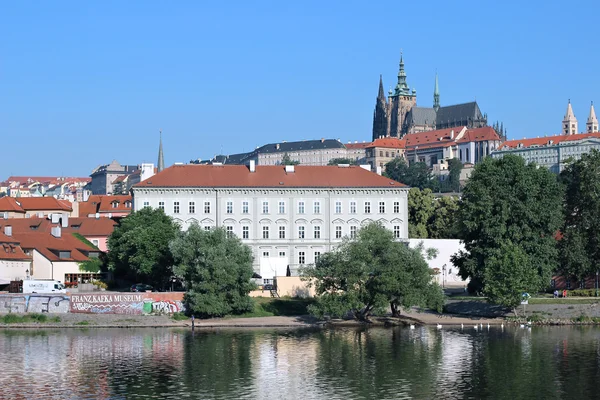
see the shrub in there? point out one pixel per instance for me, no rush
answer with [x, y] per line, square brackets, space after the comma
[100, 284]
[582, 292]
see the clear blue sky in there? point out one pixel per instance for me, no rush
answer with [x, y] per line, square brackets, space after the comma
[86, 82]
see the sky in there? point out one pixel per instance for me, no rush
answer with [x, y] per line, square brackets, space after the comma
[83, 83]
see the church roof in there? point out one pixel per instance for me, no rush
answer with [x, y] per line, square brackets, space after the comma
[422, 116]
[303, 145]
[459, 112]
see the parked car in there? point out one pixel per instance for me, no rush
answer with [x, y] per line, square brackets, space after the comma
[141, 287]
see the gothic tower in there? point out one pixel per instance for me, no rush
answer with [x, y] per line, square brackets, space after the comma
[592, 121]
[401, 100]
[380, 117]
[161, 159]
[436, 95]
[569, 122]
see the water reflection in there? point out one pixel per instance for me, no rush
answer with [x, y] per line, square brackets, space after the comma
[345, 364]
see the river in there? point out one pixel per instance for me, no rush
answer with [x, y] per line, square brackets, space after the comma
[376, 363]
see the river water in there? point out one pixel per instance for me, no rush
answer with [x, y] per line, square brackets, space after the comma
[376, 363]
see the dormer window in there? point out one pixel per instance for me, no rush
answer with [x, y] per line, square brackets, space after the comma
[128, 204]
[115, 204]
[550, 141]
[64, 254]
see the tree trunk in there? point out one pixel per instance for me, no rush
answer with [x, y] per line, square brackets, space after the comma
[395, 310]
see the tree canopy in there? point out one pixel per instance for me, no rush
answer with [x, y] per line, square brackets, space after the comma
[368, 273]
[286, 160]
[430, 216]
[508, 218]
[216, 270]
[336, 161]
[454, 168]
[139, 247]
[415, 175]
[580, 243]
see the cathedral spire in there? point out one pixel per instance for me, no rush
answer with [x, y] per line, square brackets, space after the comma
[402, 88]
[380, 115]
[381, 94]
[569, 122]
[161, 160]
[436, 94]
[592, 121]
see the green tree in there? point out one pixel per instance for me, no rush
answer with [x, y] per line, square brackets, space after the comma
[420, 211]
[454, 168]
[336, 161]
[216, 270]
[286, 160]
[415, 175]
[442, 222]
[580, 243]
[368, 273]
[508, 203]
[139, 247]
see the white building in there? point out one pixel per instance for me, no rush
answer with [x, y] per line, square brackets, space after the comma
[292, 212]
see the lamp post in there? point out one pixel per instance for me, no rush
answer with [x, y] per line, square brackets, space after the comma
[596, 283]
[444, 276]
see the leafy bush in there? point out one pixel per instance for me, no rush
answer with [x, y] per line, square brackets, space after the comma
[582, 293]
[100, 284]
[179, 316]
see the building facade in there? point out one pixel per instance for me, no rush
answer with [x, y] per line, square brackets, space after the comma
[104, 176]
[383, 150]
[399, 115]
[293, 213]
[552, 152]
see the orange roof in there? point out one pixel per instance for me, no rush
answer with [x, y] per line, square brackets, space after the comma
[90, 206]
[354, 146]
[83, 226]
[479, 135]
[106, 204]
[439, 138]
[547, 140]
[12, 251]
[49, 246]
[43, 203]
[10, 204]
[119, 179]
[389, 142]
[267, 177]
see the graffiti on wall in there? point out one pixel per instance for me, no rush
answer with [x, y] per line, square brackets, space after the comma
[38, 303]
[117, 303]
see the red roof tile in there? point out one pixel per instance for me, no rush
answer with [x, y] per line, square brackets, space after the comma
[106, 204]
[23, 180]
[10, 204]
[44, 203]
[438, 138]
[12, 251]
[267, 176]
[354, 146]
[49, 246]
[83, 226]
[543, 141]
[479, 135]
[389, 142]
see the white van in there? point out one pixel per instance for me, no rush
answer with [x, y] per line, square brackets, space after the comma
[43, 286]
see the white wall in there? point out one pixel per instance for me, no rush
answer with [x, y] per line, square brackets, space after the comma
[13, 270]
[446, 248]
[42, 267]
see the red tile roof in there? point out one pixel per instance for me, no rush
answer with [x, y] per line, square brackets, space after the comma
[120, 178]
[49, 246]
[479, 135]
[12, 252]
[90, 206]
[267, 177]
[543, 141]
[10, 204]
[106, 204]
[389, 142]
[439, 138]
[84, 226]
[23, 180]
[354, 146]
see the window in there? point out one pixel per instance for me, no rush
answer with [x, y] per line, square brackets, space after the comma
[244, 207]
[176, 207]
[397, 231]
[207, 228]
[127, 204]
[353, 232]
[352, 207]
[301, 257]
[64, 254]
[229, 230]
[207, 207]
[192, 207]
[338, 207]
[317, 256]
[245, 232]
[265, 208]
[367, 207]
[229, 207]
[382, 207]
[282, 207]
[380, 153]
[161, 205]
[265, 232]
[338, 232]
[282, 254]
[95, 242]
[396, 207]
[282, 232]
[146, 204]
[265, 254]
[317, 232]
[317, 207]
[300, 207]
[115, 204]
[300, 232]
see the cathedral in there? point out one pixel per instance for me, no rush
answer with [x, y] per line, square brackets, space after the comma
[398, 114]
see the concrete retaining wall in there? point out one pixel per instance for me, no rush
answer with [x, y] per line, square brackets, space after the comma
[94, 303]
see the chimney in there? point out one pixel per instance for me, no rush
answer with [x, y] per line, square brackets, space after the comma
[289, 169]
[252, 166]
[147, 171]
[8, 230]
[65, 221]
[56, 231]
[55, 218]
[277, 146]
[378, 170]
[97, 215]
[323, 140]
[452, 134]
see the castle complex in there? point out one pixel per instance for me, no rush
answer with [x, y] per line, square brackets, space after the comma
[399, 114]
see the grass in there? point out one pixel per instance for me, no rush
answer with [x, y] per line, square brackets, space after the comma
[270, 307]
[27, 318]
[179, 316]
[568, 300]
[82, 323]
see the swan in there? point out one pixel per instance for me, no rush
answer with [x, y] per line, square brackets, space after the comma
[475, 327]
[462, 326]
[522, 325]
[488, 325]
[412, 326]
[439, 326]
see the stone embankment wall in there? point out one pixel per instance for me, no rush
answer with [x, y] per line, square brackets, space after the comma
[94, 303]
